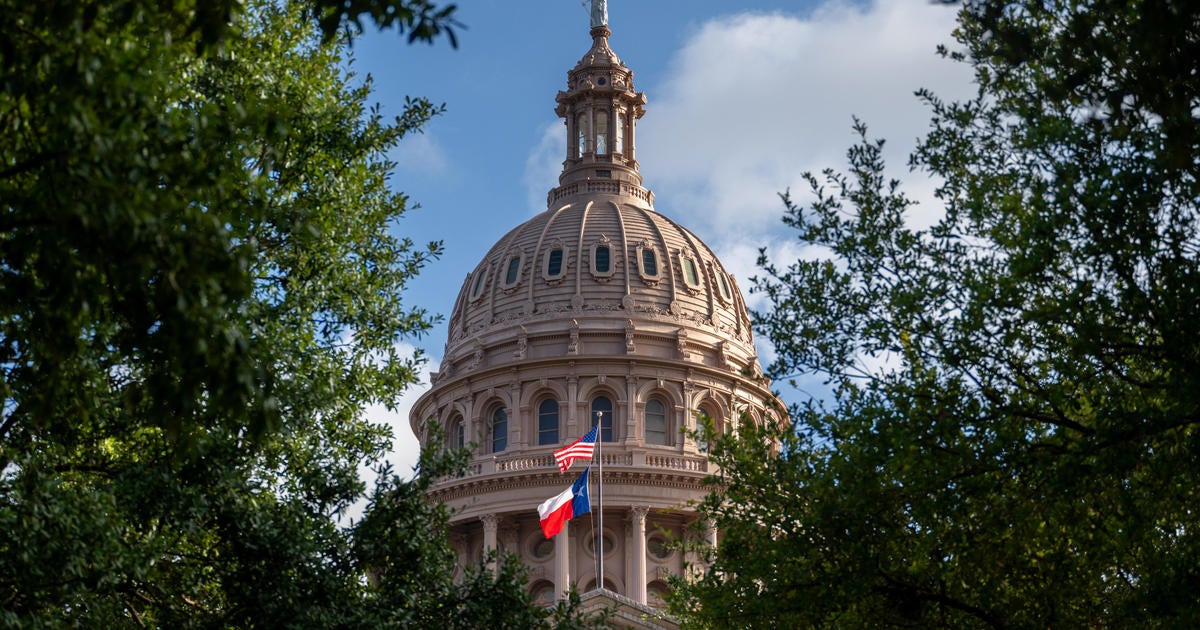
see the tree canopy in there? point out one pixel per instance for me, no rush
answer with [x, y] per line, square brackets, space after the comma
[201, 289]
[1013, 438]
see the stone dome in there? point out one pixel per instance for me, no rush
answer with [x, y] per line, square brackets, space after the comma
[598, 264]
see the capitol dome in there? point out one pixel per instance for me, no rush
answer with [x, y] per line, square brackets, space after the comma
[598, 312]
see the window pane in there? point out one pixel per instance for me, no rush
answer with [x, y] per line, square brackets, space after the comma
[619, 134]
[478, 283]
[554, 266]
[656, 422]
[499, 431]
[581, 133]
[649, 262]
[603, 406]
[602, 259]
[689, 272]
[514, 266]
[601, 133]
[548, 422]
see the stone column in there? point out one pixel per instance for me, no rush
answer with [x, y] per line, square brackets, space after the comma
[562, 561]
[637, 574]
[490, 522]
[710, 533]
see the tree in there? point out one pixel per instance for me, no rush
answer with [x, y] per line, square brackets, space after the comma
[1012, 438]
[200, 291]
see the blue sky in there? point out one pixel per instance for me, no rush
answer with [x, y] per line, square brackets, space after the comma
[743, 98]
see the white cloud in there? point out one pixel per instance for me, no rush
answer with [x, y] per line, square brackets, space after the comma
[754, 100]
[420, 154]
[543, 166]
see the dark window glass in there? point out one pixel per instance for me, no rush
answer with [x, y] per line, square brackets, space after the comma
[689, 272]
[554, 266]
[548, 422]
[514, 266]
[602, 259]
[499, 430]
[649, 262]
[656, 422]
[603, 407]
[478, 283]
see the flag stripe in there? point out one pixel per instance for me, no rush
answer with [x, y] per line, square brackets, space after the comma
[579, 449]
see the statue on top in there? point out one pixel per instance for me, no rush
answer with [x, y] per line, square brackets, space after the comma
[599, 13]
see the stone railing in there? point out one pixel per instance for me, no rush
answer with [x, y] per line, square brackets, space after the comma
[620, 457]
[676, 462]
[592, 186]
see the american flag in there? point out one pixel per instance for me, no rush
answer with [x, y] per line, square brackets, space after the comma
[579, 449]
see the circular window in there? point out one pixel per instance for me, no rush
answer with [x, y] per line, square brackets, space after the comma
[609, 543]
[601, 81]
[543, 593]
[657, 547]
[542, 548]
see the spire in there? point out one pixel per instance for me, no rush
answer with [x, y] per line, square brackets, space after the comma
[600, 108]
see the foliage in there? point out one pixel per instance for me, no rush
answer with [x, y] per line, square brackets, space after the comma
[1013, 437]
[200, 292]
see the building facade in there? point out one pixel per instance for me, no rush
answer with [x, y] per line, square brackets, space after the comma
[599, 309]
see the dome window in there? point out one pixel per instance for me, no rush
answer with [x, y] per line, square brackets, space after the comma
[512, 275]
[648, 264]
[656, 422]
[548, 422]
[554, 264]
[480, 281]
[602, 258]
[723, 283]
[499, 430]
[690, 275]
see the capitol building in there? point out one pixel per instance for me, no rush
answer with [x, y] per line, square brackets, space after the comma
[597, 309]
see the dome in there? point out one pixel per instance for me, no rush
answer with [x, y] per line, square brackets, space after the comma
[593, 267]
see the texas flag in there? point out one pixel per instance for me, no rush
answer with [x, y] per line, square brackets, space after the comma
[565, 506]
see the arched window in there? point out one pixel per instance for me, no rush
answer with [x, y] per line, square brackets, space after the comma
[480, 278]
[581, 134]
[656, 422]
[602, 406]
[455, 434]
[499, 430]
[514, 271]
[601, 133]
[723, 282]
[708, 411]
[649, 262]
[602, 259]
[548, 422]
[690, 275]
[554, 263]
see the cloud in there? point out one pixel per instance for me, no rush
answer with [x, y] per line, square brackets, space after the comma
[420, 154]
[751, 101]
[543, 166]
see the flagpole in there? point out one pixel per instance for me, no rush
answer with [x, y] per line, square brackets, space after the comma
[600, 491]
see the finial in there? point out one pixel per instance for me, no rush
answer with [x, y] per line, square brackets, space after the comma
[599, 13]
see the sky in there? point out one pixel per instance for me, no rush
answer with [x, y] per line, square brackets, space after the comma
[743, 98]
